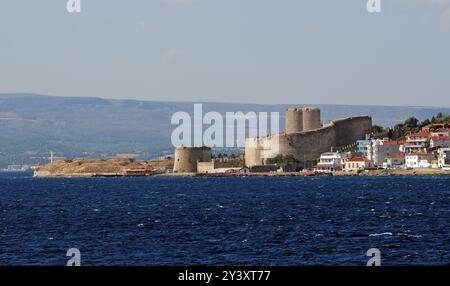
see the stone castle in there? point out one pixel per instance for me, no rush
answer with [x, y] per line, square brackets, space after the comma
[305, 138]
[187, 158]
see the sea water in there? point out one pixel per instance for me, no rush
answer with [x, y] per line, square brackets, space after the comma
[224, 221]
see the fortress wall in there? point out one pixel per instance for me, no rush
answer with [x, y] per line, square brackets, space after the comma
[349, 130]
[308, 146]
[206, 167]
[186, 158]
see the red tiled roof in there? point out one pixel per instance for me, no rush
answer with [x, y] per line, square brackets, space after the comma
[441, 138]
[391, 143]
[398, 156]
[420, 134]
[359, 159]
[419, 154]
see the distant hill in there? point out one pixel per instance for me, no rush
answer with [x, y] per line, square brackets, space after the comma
[33, 125]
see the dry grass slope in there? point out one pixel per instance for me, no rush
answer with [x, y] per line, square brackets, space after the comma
[88, 167]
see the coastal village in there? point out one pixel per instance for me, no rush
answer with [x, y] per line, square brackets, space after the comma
[343, 147]
[428, 149]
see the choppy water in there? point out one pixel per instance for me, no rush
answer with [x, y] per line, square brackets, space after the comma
[225, 221]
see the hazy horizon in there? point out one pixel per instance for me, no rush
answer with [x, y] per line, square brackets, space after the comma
[221, 102]
[311, 52]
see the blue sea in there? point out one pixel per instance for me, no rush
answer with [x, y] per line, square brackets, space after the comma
[224, 221]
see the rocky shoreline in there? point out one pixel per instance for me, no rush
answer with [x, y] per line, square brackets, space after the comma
[125, 167]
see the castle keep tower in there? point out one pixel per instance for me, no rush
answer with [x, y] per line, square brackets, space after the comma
[186, 158]
[294, 120]
[311, 118]
[302, 119]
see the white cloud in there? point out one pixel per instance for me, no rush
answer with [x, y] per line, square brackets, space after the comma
[170, 54]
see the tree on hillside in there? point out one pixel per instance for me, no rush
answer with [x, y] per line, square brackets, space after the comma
[425, 123]
[440, 118]
[377, 129]
[397, 132]
[411, 125]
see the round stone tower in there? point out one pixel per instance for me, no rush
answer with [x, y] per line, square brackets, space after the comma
[294, 120]
[186, 158]
[311, 118]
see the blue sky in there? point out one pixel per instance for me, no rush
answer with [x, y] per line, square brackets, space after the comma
[256, 51]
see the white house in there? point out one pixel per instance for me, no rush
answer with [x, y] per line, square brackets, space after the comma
[330, 162]
[444, 158]
[419, 160]
[417, 142]
[379, 150]
[440, 141]
[395, 162]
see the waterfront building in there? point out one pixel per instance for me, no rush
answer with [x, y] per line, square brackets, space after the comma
[395, 162]
[330, 162]
[444, 158]
[379, 150]
[419, 160]
[357, 164]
